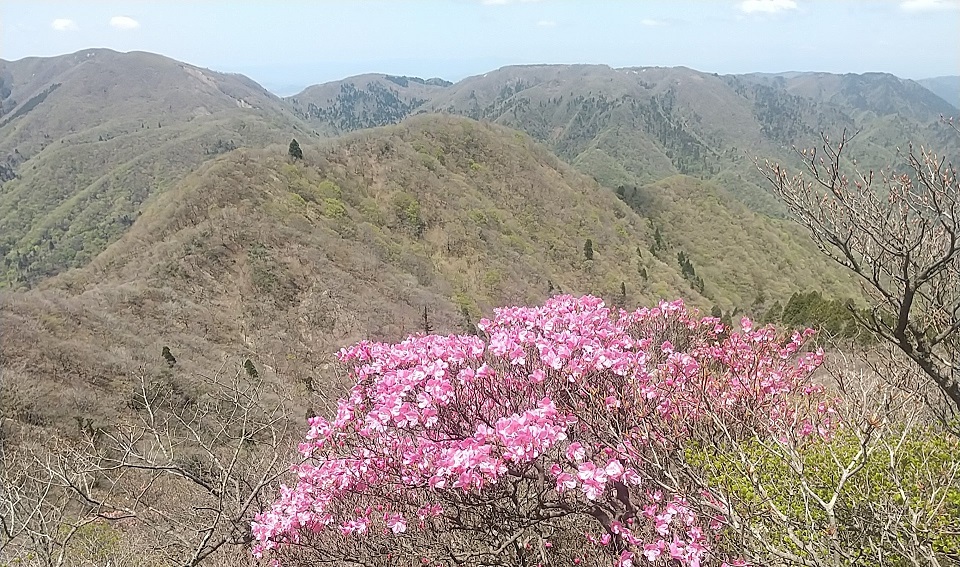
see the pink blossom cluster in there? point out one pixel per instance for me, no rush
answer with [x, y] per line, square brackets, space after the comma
[570, 395]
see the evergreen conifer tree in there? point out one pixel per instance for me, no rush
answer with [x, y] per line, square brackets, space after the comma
[294, 150]
[168, 356]
[251, 369]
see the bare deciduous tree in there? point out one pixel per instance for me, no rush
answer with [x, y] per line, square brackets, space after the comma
[898, 232]
[37, 517]
[881, 491]
[184, 476]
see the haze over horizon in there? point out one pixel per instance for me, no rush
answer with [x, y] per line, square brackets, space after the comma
[288, 47]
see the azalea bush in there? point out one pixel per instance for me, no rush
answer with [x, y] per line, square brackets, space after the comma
[560, 436]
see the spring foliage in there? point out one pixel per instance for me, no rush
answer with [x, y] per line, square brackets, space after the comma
[548, 438]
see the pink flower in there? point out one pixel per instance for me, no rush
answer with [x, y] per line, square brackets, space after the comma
[652, 551]
[429, 511]
[614, 470]
[575, 452]
[358, 526]
[593, 480]
[397, 523]
[565, 481]
[442, 420]
[677, 550]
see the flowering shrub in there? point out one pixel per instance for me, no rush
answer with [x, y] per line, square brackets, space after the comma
[558, 437]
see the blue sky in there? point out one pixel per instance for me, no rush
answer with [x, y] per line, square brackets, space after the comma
[287, 45]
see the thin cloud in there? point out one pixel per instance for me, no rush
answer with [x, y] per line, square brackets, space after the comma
[505, 2]
[766, 6]
[64, 24]
[929, 5]
[124, 23]
[547, 24]
[650, 22]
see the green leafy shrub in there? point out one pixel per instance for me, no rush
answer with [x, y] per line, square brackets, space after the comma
[406, 208]
[904, 485]
[333, 208]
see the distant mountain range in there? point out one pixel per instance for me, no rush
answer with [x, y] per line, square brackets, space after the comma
[947, 88]
[636, 125]
[145, 202]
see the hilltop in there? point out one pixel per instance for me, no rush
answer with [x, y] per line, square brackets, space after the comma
[364, 101]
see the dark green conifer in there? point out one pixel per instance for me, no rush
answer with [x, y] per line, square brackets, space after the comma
[427, 327]
[294, 150]
[168, 356]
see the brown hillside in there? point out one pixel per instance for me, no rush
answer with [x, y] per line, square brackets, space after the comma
[254, 256]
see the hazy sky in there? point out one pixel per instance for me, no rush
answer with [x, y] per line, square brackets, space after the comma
[290, 44]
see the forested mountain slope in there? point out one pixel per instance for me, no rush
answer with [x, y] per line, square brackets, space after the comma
[639, 125]
[255, 256]
[284, 261]
[87, 139]
[364, 101]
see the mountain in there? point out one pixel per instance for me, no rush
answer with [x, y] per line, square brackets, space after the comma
[633, 126]
[199, 233]
[870, 94]
[364, 101]
[947, 88]
[252, 256]
[87, 139]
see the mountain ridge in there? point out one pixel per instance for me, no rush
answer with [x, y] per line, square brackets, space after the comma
[627, 127]
[256, 256]
[77, 163]
[946, 87]
[635, 125]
